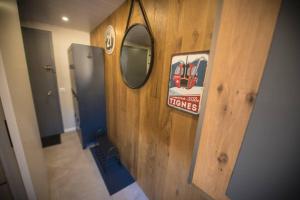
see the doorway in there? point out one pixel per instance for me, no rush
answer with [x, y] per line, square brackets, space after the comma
[42, 74]
[11, 184]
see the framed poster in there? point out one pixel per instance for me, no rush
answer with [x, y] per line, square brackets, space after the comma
[186, 81]
[110, 39]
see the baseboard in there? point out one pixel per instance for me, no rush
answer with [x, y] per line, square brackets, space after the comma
[70, 129]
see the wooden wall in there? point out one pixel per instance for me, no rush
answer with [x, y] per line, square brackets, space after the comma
[155, 141]
[240, 54]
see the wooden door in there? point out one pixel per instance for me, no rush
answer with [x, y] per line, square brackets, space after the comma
[240, 53]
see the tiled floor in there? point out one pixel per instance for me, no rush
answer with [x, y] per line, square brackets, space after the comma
[74, 175]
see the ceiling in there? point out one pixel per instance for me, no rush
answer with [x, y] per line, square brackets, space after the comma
[83, 15]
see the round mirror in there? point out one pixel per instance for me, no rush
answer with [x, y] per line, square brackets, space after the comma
[136, 56]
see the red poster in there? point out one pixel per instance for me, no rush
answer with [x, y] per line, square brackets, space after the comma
[186, 81]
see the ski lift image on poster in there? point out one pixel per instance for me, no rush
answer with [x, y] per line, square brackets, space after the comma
[186, 81]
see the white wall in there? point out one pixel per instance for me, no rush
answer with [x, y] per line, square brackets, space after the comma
[18, 105]
[62, 39]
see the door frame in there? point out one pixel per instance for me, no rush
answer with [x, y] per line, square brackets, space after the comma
[9, 162]
[10, 116]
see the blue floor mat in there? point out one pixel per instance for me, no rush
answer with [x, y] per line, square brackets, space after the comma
[115, 175]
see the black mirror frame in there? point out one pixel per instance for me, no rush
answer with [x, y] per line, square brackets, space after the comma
[151, 60]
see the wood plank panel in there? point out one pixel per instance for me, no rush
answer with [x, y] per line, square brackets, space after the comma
[156, 141]
[242, 46]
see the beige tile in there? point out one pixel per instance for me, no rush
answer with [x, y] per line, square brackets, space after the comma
[73, 173]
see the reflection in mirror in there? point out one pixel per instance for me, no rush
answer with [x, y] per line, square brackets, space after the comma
[136, 56]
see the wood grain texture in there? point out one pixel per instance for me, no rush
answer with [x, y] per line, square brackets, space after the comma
[156, 141]
[241, 50]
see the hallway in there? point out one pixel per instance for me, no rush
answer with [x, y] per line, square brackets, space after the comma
[73, 174]
[149, 99]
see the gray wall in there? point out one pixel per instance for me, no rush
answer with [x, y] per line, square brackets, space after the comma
[268, 166]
